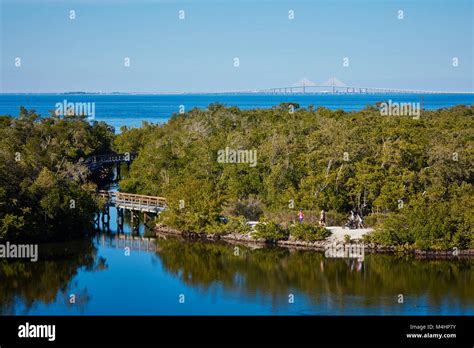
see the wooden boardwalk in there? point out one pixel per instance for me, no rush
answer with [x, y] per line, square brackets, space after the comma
[130, 201]
[96, 162]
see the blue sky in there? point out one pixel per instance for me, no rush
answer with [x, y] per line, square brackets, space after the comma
[196, 54]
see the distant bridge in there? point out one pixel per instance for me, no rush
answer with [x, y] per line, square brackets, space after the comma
[345, 90]
[335, 86]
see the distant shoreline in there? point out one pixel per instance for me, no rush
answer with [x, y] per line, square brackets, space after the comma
[234, 93]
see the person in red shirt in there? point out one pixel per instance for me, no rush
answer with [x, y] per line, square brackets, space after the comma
[301, 215]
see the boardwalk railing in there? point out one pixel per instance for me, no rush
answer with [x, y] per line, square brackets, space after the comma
[133, 201]
[110, 158]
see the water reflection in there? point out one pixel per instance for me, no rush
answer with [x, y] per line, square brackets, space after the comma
[24, 283]
[221, 278]
[277, 272]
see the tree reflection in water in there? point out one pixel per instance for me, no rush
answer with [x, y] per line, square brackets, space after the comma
[47, 280]
[276, 272]
[250, 276]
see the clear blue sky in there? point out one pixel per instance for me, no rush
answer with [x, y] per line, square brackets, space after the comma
[196, 54]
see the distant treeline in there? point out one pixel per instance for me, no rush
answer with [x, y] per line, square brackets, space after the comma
[410, 177]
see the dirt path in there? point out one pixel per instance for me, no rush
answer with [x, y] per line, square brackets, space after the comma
[338, 233]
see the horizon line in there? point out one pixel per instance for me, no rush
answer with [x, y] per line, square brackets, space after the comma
[300, 90]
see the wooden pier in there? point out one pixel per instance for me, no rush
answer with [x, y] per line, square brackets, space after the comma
[137, 205]
[131, 201]
[134, 203]
[115, 159]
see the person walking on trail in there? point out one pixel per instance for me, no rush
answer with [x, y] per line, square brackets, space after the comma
[351, 222]
[301, 215]
[359, 221]
[322, 218]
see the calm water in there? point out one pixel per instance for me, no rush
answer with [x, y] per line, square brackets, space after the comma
[131, 110]
[214, 279]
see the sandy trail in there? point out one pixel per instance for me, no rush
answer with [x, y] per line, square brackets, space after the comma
[338, 233]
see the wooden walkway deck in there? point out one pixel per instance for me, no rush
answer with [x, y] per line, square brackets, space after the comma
[95, 162]
[130, 201]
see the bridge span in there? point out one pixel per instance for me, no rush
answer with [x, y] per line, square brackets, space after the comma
[131, 201]
[140, 207]
[335, 86]
[97, 161]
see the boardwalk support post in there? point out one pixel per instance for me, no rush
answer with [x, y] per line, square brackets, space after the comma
[120, 220]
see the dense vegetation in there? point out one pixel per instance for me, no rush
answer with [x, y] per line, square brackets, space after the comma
[308, 232]
[44, 192]
[411, 178]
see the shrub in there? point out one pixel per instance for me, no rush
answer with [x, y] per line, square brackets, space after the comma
[250, 208]
[270, 231]
[347, 239]
[308, 232]
[430, 224]
[232, 224]
[334, 218]
[216, 227]
[237, 225]
[373, 219]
